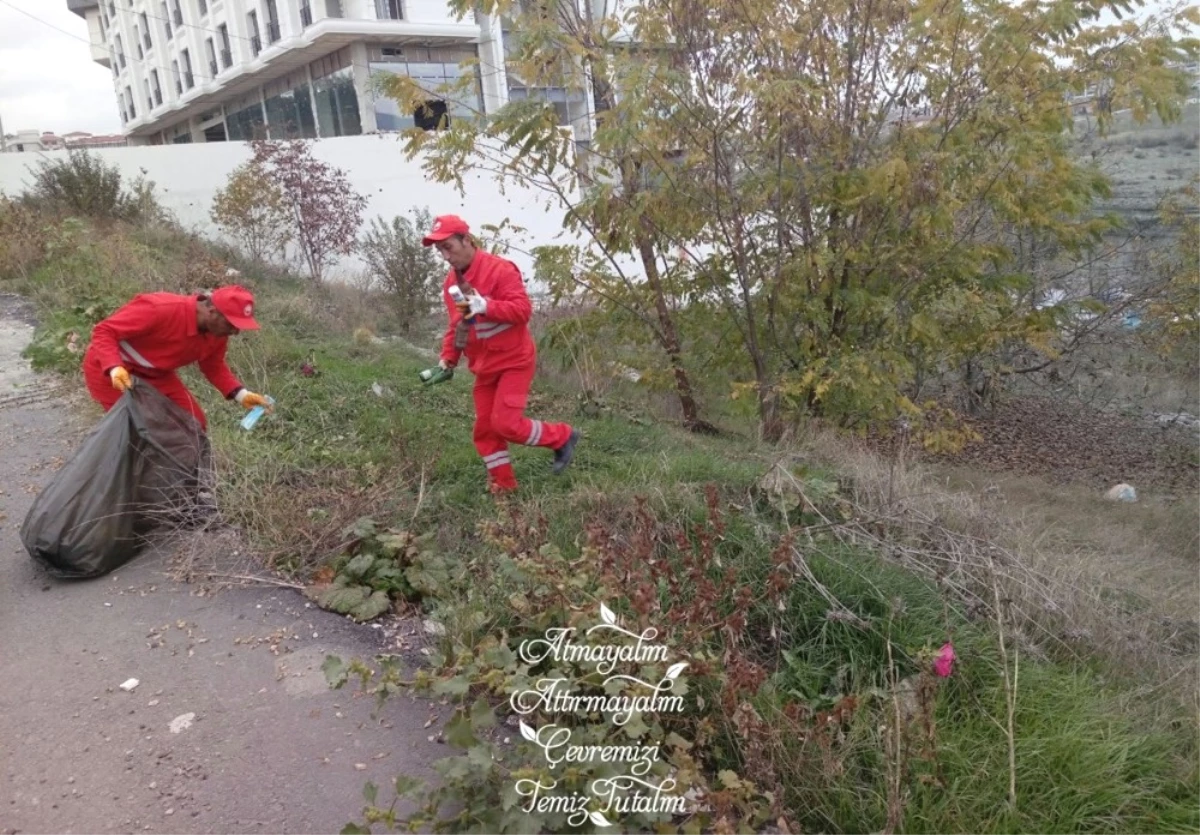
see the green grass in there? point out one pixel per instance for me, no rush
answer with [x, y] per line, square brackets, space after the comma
[1089, 758]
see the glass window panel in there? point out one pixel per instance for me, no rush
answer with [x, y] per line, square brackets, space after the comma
[337, 104]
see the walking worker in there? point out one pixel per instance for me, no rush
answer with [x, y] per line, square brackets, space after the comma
[490, 324]
[155, 334]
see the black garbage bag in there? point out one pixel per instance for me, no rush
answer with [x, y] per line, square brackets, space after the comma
[141, 468]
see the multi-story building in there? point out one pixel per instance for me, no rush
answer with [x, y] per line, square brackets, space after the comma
[234, 70]
[32, 140]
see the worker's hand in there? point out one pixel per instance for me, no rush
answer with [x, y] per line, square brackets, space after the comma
[248, 400]
[478, 305]
[445, 365]
[121, 380]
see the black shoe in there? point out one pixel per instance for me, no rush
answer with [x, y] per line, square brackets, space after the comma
[564, 454]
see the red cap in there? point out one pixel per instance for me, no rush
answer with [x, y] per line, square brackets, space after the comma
[444, 227]
[237, 305]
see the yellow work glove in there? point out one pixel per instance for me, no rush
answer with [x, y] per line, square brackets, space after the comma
[121, 380]
[248, 400]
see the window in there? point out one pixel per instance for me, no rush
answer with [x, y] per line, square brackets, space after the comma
[272, 22]
[103, 27]
[203, 7]
[226, 52]
[177, 77]
[334, 95]
[252, 28]
[137, 41]
[189, 80]
[211, 53]
[433, 70]
[166, 19]
[389, 10]
[244, 119]
[289, 109]
[305, 13]
[149, 95]
[178, 13]
[120, 51]
[146, 31]
[129, 103]
[158, 99]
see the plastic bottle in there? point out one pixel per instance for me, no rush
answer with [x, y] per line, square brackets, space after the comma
[456, 296]
[254, 415]
[432, 376]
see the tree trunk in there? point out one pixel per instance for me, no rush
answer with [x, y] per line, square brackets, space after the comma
[770, 423]
[670, 338]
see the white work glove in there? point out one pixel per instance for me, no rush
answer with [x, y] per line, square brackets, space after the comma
[445, 365]
[248, 399]
[478, 305]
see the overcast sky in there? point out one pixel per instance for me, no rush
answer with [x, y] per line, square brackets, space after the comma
[48, 80]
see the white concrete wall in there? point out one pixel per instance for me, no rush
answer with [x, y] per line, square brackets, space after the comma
[431, 11]
[189, 175]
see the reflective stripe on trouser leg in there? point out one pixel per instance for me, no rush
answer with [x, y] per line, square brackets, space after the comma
[496, 459]
[500, 471]
[535, 434]
[492, 448]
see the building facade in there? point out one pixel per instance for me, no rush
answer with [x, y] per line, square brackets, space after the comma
[235, 70]
[32, 140]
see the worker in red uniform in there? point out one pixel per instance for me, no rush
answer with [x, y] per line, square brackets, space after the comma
[491, 326]
[157, 333]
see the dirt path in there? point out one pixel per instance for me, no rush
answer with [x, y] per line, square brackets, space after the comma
[269, 749]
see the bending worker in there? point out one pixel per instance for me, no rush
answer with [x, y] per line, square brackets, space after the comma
[491, 326]
[157, 333]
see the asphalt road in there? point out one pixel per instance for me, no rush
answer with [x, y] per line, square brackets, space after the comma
[268, 748]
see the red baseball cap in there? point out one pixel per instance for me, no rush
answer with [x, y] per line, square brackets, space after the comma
[444, 227]
[237, 305]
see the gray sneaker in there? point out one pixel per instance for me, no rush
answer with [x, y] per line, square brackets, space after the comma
[564, 454]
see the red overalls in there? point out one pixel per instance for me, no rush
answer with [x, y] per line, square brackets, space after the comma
[501, 354]
[151, 337]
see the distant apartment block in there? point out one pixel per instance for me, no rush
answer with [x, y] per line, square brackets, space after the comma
[26, 141]
[234, 70]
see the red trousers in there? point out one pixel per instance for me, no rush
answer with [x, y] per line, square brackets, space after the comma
[500, 400]
[100, 387]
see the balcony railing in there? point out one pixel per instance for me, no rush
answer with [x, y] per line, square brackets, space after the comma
[272, 31]
[226, 58]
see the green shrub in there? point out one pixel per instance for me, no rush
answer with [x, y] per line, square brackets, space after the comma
[83, 184]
